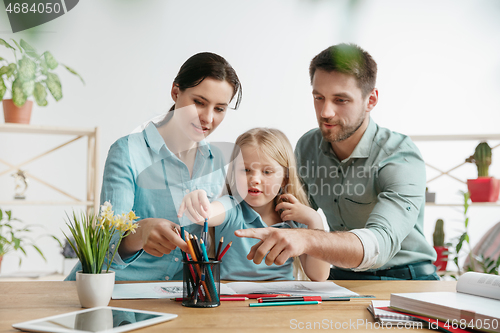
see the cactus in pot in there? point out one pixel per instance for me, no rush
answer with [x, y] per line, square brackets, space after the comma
[441, 250]
[484, 188]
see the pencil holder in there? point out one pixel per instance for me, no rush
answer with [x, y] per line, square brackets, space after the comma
[201, 283]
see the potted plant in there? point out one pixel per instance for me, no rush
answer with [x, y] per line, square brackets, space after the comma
[91, 238]
[484, 188]
[439, 246]
[30, 74]
[15, 238]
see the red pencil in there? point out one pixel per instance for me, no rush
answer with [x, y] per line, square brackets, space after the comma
[225, 250]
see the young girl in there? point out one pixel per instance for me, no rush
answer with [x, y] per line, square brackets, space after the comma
[262, 174]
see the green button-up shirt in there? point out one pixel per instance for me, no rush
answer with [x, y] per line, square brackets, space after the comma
[378, 193]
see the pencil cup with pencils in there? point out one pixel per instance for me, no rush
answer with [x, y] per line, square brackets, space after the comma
[201, 284]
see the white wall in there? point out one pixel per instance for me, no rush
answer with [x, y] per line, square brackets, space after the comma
[438, 74]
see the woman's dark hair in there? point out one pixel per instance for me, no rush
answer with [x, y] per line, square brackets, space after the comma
[206, 64]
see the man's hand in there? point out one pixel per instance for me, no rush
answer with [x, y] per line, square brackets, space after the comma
[156, 236]
[294, 210]
[277, 245]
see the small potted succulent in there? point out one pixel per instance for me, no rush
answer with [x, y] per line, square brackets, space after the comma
[484, 188]
[441, 250]
[30, 74]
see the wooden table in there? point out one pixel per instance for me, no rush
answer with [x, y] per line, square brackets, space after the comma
[23, 301]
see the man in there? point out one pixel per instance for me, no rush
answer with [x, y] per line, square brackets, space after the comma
[369, 182]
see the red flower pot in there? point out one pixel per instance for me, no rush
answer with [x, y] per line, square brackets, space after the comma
[442, 258]
[483, 189]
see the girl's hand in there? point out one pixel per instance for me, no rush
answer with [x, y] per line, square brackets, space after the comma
[197, 206]
[294, 210]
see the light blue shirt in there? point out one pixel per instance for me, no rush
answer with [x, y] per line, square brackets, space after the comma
[143, 175]
[235, 265]
[378, 193]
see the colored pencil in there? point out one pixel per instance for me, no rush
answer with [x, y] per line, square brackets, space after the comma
[225, 250]
[193, 256]
[219, 247]
[210, 275]
[255, 296]
[234, 298]
[205, 231]
[283, 303]
[180, 299]
[298, 298]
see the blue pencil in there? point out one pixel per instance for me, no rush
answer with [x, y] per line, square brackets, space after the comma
[210, 275]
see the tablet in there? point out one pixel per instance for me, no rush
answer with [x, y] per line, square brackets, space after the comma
[96, 320]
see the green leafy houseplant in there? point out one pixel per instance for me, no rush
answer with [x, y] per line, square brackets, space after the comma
[31, 74]
[464, 238]
[15, 238]
[92, 236]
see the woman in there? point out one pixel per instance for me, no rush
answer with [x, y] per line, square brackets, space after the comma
[151, 171]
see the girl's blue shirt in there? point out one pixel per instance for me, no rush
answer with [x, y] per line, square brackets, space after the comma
[235, 265]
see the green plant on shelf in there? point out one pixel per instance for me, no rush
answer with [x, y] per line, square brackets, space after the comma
[482, 159]
[30, 74]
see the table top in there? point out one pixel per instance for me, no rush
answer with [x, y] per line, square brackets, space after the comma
[28, 300]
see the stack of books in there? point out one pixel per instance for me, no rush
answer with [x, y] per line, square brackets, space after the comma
[475, 305]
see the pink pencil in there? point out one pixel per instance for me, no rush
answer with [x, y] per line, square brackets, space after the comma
[233, 298]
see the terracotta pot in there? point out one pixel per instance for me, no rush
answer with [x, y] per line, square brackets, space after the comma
[483, 189]
[442, 258]
[95, 289]
[15, 114]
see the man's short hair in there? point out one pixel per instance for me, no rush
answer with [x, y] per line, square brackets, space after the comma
[347, 59]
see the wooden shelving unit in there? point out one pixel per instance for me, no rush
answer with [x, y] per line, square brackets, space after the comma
[92, 134]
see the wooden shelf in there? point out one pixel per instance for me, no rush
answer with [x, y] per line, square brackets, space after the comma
[480, 204]
[92, 153]
[37, 129]
[46, 202]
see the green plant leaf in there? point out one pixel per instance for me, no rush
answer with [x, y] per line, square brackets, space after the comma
[43, 67]
[18, 96]
[50, 60]
[4, 43]
[12, 69]
[27, 68]
[9, 214]
[1, 216]
[28, 87]
[4, 70]
[3, 90]
[54, 85]
[18, 46]
[72, 71]
[30, 50]
[40, 94]
[466, 222]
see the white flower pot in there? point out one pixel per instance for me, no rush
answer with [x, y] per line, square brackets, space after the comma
[95, 289]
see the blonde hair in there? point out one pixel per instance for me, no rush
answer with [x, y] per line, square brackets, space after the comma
[274, 144]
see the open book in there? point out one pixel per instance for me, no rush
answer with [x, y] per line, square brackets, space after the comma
[475, 305]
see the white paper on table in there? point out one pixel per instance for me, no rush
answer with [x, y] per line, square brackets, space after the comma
[154, 290]
[299, 288]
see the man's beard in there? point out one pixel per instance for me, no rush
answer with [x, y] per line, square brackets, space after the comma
[346, 131]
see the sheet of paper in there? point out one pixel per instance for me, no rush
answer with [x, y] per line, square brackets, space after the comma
[154, 290]
[299, 288]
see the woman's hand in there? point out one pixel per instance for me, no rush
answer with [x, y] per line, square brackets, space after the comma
[156, 236]
[197, 206]
[294, 210]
